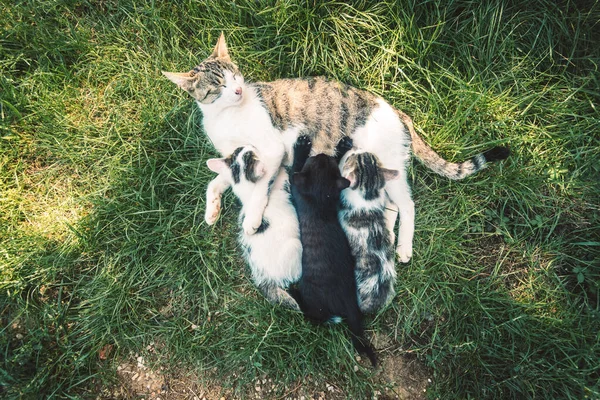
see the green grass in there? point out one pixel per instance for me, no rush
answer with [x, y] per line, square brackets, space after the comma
[102, 180]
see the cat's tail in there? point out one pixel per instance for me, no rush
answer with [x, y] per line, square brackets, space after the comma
[445, 168]
[360, 342]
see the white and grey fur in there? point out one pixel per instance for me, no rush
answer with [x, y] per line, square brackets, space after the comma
[271, 116]
[362, 216]
[274, 252]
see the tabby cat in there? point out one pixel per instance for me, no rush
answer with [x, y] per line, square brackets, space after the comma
[327, 289]
[274, 251]
[271, 115]
[362, 216]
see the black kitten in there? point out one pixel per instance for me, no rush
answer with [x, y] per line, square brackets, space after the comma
[327, 288]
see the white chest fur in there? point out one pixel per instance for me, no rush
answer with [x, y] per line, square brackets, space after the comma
[235, 126]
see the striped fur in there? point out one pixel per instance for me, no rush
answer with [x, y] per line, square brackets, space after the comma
[274, 252]
[362, 216]
[437, 164]
[272, 115]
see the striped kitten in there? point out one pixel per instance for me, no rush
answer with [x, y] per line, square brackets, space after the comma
[271, 116]
[274, 252]
[362, 216]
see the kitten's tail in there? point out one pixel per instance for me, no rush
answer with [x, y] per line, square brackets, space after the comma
[445, 168]
[360, 342]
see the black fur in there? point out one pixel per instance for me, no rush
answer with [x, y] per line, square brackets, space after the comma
[264, 225]
[496, 154]
[327, 287]
[234, 165]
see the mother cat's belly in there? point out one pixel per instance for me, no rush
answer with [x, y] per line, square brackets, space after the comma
[382, 134]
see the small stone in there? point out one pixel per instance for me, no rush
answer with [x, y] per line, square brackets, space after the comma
[357, 358]
[356, 368]
[19, 336]
[429, 380]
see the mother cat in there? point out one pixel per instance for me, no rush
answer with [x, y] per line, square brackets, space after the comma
[271, 115]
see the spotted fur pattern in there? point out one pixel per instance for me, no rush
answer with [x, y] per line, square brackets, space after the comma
[362, 216]
[274, 252]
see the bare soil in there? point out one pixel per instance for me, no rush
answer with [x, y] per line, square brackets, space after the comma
[399, 375]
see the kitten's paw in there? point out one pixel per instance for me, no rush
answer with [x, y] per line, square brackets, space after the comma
[404, 253]
[344, 145]
[287, 301]
[302, 146]
[213, 210]
[251, 224]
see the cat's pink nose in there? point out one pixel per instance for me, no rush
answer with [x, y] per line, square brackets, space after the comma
[238, 91]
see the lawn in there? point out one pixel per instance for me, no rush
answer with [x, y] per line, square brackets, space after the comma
[105, 256]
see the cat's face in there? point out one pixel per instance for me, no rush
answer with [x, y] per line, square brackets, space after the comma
[320, 178]
[217, 80]
[365, 173]
[241, 167]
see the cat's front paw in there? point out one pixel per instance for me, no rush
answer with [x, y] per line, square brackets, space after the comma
[213, 210]
[404, 253]
[343, 146]
[302, 147]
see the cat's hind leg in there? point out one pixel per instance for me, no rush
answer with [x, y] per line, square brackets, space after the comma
[391, 214]
[399, 193]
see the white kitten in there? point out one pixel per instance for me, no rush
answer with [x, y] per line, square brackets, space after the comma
[274, 251]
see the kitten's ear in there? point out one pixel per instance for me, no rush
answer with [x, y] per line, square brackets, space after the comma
[351, 177]
[342, 183]
[390, 174]
[220, 50]
[181, 79]
[217, 165]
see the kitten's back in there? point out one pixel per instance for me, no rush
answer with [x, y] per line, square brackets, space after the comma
[327, 288]
[362, 216]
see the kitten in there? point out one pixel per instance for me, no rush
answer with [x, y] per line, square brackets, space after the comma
[274, 252]
[327, 289]
[362, 216]
[271, 116]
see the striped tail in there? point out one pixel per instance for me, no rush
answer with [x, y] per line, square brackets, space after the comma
[437, 164]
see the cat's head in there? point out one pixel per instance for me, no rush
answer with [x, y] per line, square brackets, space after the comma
[216, 80]
[320, 178]
[365, 173]
[241, 167]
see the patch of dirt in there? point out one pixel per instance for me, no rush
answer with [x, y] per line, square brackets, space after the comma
[137, 381]
[399, 376]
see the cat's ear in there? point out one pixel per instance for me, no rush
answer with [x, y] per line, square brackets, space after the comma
[217, 165]
[342, 183]
[351, 177]
[390, 174]
[181, 79]
[220, 50]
